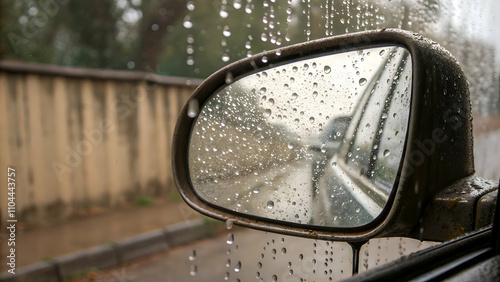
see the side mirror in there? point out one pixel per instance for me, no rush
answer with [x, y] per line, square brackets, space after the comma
[343, 138]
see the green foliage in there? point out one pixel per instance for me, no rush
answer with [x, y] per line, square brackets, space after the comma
[175, 197]
[151, 35]
[143, 201]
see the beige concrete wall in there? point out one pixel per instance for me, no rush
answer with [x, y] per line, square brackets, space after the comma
[79, 139]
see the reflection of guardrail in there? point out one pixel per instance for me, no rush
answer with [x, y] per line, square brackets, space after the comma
[80, 138]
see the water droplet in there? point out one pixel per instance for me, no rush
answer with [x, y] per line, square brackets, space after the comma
[190, 6]
[386, 153]
[227, 276]
[223, 13]
[193, 108]
[229, 223]
[226, 32]
[237, 4]
[283, 251]
[267, 113]
[225, 58]
[294, 96]
[229, 77]
[264, 59]
[290, 145]
[187, 22]
[382, 52]
[311, 119]
[259, 265]
[275, 278]
[263, 90]
[263, 37]
[237, 268]
[327, 69]
[270, 205]
[248, 8]
[367, 125]
[358, 210]
[193, 271]
[301, 257]
[192, 255]
[362, 81]
[230, 239]
[384, 115]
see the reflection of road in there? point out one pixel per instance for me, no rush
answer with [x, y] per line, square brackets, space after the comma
[283, 193]
[286, 193]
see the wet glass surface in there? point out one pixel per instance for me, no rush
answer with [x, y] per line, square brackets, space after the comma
[316, 141]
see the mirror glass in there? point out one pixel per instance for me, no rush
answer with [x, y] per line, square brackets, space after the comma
[317, 141]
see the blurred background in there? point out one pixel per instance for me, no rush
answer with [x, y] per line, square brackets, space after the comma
[90, 90]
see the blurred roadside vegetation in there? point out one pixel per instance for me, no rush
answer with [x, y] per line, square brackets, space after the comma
[194, 38]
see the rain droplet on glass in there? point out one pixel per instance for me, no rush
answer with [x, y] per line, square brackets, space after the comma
[187, 22]
[230, 239]
[192, 255]
[387, 153]
[229, 77]
[190, 6]
[270, 205]
[193, 271]
[237, 268]
[229, 223]
[193, 108]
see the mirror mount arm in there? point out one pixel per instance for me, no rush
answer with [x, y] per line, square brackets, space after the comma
[452, 212]
[356, 248]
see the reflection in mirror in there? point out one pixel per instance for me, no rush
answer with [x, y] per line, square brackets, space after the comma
[317, 141]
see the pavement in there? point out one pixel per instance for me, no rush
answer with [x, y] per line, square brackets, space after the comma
[102, 239]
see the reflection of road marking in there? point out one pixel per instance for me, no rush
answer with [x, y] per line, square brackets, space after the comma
[364, 200]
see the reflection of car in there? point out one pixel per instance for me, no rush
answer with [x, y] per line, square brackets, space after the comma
[362, 170]
[333, 133]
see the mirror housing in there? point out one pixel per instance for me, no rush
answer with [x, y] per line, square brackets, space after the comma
[438, 149]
